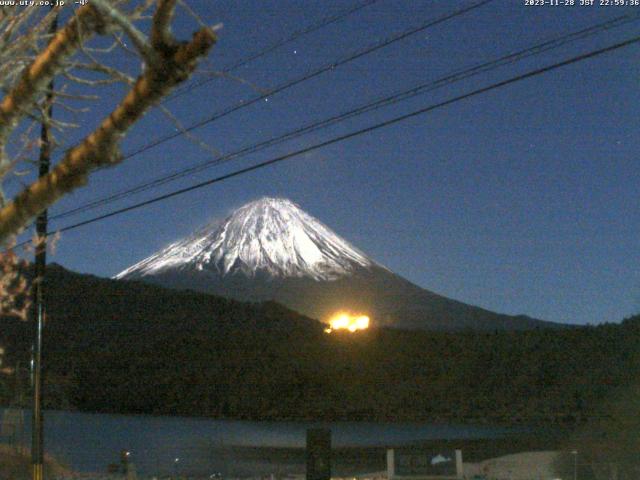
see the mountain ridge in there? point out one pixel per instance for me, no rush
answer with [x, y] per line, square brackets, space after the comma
[270, 249]
[270, 234]
[132, 347]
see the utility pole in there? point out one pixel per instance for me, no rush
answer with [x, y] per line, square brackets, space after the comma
[44, 162]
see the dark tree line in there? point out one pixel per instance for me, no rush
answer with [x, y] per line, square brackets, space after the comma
[136, 348]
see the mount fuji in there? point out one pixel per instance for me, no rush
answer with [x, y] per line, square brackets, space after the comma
[270, 249]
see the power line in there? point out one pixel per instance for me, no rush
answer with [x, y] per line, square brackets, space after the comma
[308, 76]
[293, 37]
[382, 44]
[385, 101]
[494, 86]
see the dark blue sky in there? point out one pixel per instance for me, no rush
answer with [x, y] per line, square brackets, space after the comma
[522, 200]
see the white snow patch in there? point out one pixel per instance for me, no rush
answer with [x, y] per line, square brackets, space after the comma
[270, 235]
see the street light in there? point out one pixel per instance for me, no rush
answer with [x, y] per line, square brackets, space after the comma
[575, 464]
[175, 467]
[124, 461]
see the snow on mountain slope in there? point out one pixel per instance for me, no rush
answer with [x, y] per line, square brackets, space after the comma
[270, 250]
[270, 235]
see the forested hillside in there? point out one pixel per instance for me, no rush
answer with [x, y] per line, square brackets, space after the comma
[115, 346]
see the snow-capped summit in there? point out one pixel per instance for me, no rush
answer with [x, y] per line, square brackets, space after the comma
[270, 249]
[270, 235]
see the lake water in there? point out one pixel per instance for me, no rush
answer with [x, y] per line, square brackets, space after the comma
[89, 442]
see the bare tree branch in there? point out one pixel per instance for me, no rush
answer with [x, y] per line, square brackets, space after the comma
[137, 37]
[161, 37]
[37, 76]
[101, 148]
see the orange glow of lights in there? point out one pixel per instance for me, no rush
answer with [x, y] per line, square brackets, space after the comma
[347, 321]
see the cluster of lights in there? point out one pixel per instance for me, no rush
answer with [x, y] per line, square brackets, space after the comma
[347, 321]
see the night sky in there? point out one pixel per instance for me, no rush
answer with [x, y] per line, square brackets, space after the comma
[521, 200]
